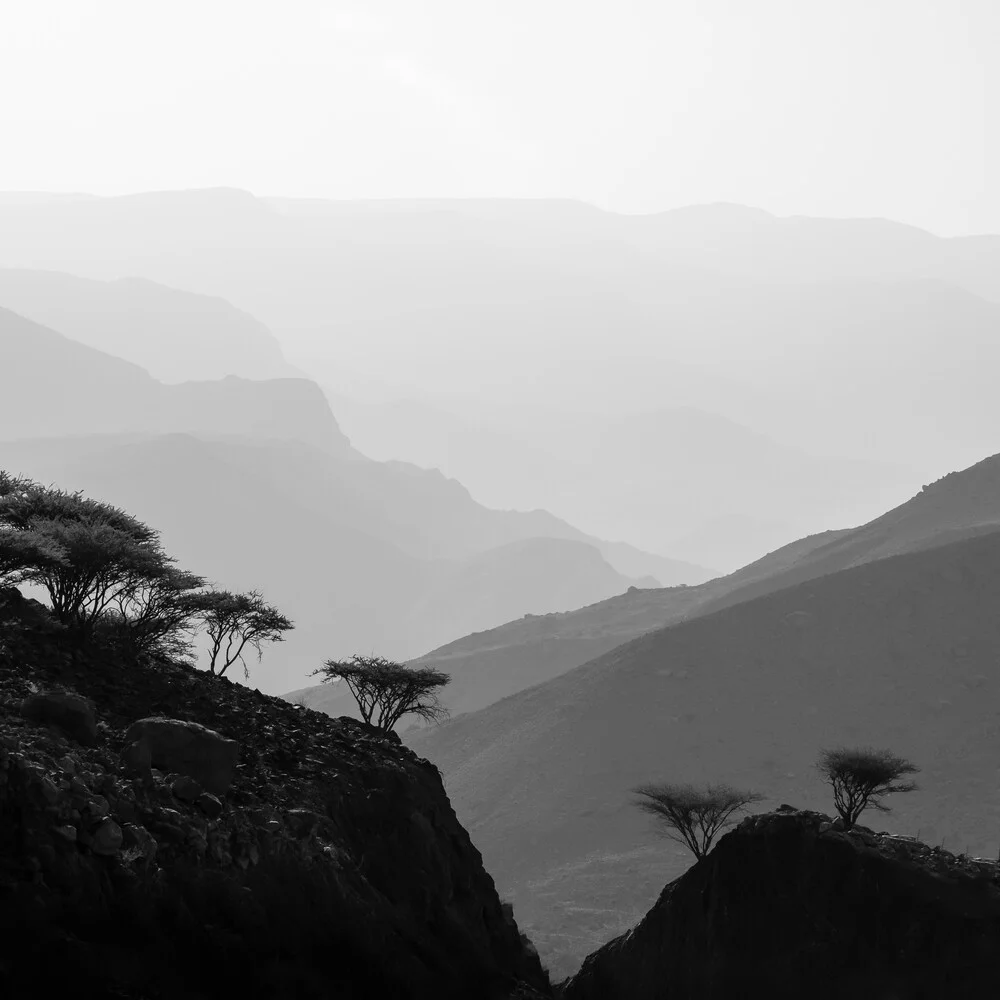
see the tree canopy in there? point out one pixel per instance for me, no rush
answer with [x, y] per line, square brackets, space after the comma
[862, 777]
[385, 691]
[693, 816]
[88, 556]
[234, 622]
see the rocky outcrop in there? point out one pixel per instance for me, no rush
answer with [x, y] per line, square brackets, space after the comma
[331, 865]
[67, 712]
[787, 905]
[186, 748]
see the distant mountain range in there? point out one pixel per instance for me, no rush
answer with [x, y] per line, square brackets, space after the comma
[502, 661]
[886, 635]
[865, 347]
[253, 484]
[173, 335]
[654, 475]
[57, 386]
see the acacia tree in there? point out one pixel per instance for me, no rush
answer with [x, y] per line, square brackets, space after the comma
[862, 777]
[385, 691]
[155, 615]
[234, 622]
[85, 554]
[693, 816]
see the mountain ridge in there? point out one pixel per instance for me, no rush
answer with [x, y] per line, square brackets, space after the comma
[898, 651]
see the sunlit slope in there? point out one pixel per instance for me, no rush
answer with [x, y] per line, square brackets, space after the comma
[902, 652]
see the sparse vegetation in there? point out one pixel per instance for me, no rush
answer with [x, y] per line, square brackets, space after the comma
[234, 622]
[385, 691]
[862, 777]
[107, 578]
[693, 816]
[99, 566]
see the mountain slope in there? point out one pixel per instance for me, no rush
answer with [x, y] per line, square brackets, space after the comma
[320, 535]
[174, 335]
[388, 296]
[899, 652]
[328, 862]
[59, 386]
[518, 654]
[667, 475]
[786, 906]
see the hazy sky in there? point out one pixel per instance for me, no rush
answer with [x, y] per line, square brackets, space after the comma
[857, 107]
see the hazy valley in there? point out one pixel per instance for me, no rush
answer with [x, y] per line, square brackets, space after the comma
[563, 503]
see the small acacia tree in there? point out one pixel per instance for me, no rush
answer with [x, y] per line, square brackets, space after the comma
[386, 691]
[862, 777]
[156, 615]
[234, 622]
[693, 816]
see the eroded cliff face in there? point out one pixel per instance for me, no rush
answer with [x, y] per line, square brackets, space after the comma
[788, 906]
[332, 865]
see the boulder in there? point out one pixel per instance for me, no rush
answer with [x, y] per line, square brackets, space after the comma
[69, 713]
[136, 759]
[188, 748]
[107, 838]
[186, 789]
[209, 805]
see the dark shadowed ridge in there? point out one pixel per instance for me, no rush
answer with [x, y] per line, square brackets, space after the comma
[786, 906]
[900, 651]
[328, 863]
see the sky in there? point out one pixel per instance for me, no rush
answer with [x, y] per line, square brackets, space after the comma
[855, 108]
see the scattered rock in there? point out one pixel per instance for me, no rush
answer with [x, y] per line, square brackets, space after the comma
[209, 805]
[186, 789]
[302, 822]
[67, 764]
[69, 713]
[189, 749]
[49, 789]
[107, 838]
[136, 759]
[140, 839]
[97, 807]
[66, 832]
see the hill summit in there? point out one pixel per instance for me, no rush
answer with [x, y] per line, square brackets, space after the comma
[788, 905]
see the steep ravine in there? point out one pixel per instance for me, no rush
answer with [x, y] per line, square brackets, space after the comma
[787, 906]
[331, 865]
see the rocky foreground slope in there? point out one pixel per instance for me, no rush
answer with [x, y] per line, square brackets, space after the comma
[787, 905]
[246, 847]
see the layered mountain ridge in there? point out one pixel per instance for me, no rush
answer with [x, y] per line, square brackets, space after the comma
[898, 651]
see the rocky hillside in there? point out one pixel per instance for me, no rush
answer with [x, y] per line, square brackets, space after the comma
[787, 905]
[900, 652]
[166, 834]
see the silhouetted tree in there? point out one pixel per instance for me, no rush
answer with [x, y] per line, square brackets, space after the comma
[862, 777]
[693, 816]
[85, 554]
[386, 691]
[155, 615]
[234, 622]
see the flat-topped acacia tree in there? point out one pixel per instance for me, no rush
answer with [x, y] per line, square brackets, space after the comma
[385, 691]
[234, 622]
[862, 777]
[103, 570]
[693, 816]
